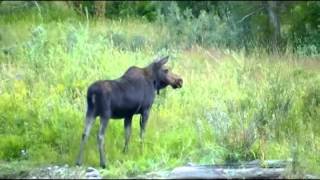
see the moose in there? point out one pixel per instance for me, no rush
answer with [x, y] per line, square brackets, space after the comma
[132, 93]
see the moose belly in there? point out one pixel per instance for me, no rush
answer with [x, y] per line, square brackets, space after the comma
[122, 112]
[126, 103]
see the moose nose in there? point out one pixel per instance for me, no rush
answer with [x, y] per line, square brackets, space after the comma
[179, 82]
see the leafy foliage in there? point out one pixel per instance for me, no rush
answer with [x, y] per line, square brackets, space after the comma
[234, 106]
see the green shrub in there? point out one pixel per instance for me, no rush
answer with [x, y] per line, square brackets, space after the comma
[232, 107]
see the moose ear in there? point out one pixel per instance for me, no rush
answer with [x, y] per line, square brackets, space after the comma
[162, 61]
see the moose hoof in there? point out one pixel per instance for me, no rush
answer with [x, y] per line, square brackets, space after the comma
[78, 164]
[103, 166]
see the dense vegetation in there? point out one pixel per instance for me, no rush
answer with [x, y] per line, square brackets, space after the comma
[241, 100]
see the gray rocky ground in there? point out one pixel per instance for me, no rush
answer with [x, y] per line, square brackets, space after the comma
[59, 172]
[272, 169]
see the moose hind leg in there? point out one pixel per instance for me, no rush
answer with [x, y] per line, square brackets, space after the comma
[90, 117]
[100, 137]
[127, 130]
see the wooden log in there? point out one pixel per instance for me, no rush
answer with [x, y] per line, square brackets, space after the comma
[200, 172]
[247, 170]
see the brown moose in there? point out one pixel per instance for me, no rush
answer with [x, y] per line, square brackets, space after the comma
[132, 93]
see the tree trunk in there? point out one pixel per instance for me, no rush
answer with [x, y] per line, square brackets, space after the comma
[76, 5]
[272, 8]
[100, 8]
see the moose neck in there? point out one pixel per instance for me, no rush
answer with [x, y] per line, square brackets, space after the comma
[150, 74]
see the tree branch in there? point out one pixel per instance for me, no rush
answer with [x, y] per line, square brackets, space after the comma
[250, 14]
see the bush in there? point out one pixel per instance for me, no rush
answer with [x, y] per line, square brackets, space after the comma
[124, 42]
[207, 29]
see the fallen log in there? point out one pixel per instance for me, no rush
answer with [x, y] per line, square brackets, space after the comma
[271, 169]
[199, 172]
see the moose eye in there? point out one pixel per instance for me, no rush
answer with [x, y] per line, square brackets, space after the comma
[166, 70]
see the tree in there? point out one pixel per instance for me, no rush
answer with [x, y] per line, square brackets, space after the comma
[100, 8]
[76, 5]
[95, 8]
[272, 8]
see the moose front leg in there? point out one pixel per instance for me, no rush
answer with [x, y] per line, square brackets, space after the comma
[143, 122]
[127, 131]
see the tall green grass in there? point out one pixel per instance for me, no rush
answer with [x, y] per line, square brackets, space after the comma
[232, 107]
